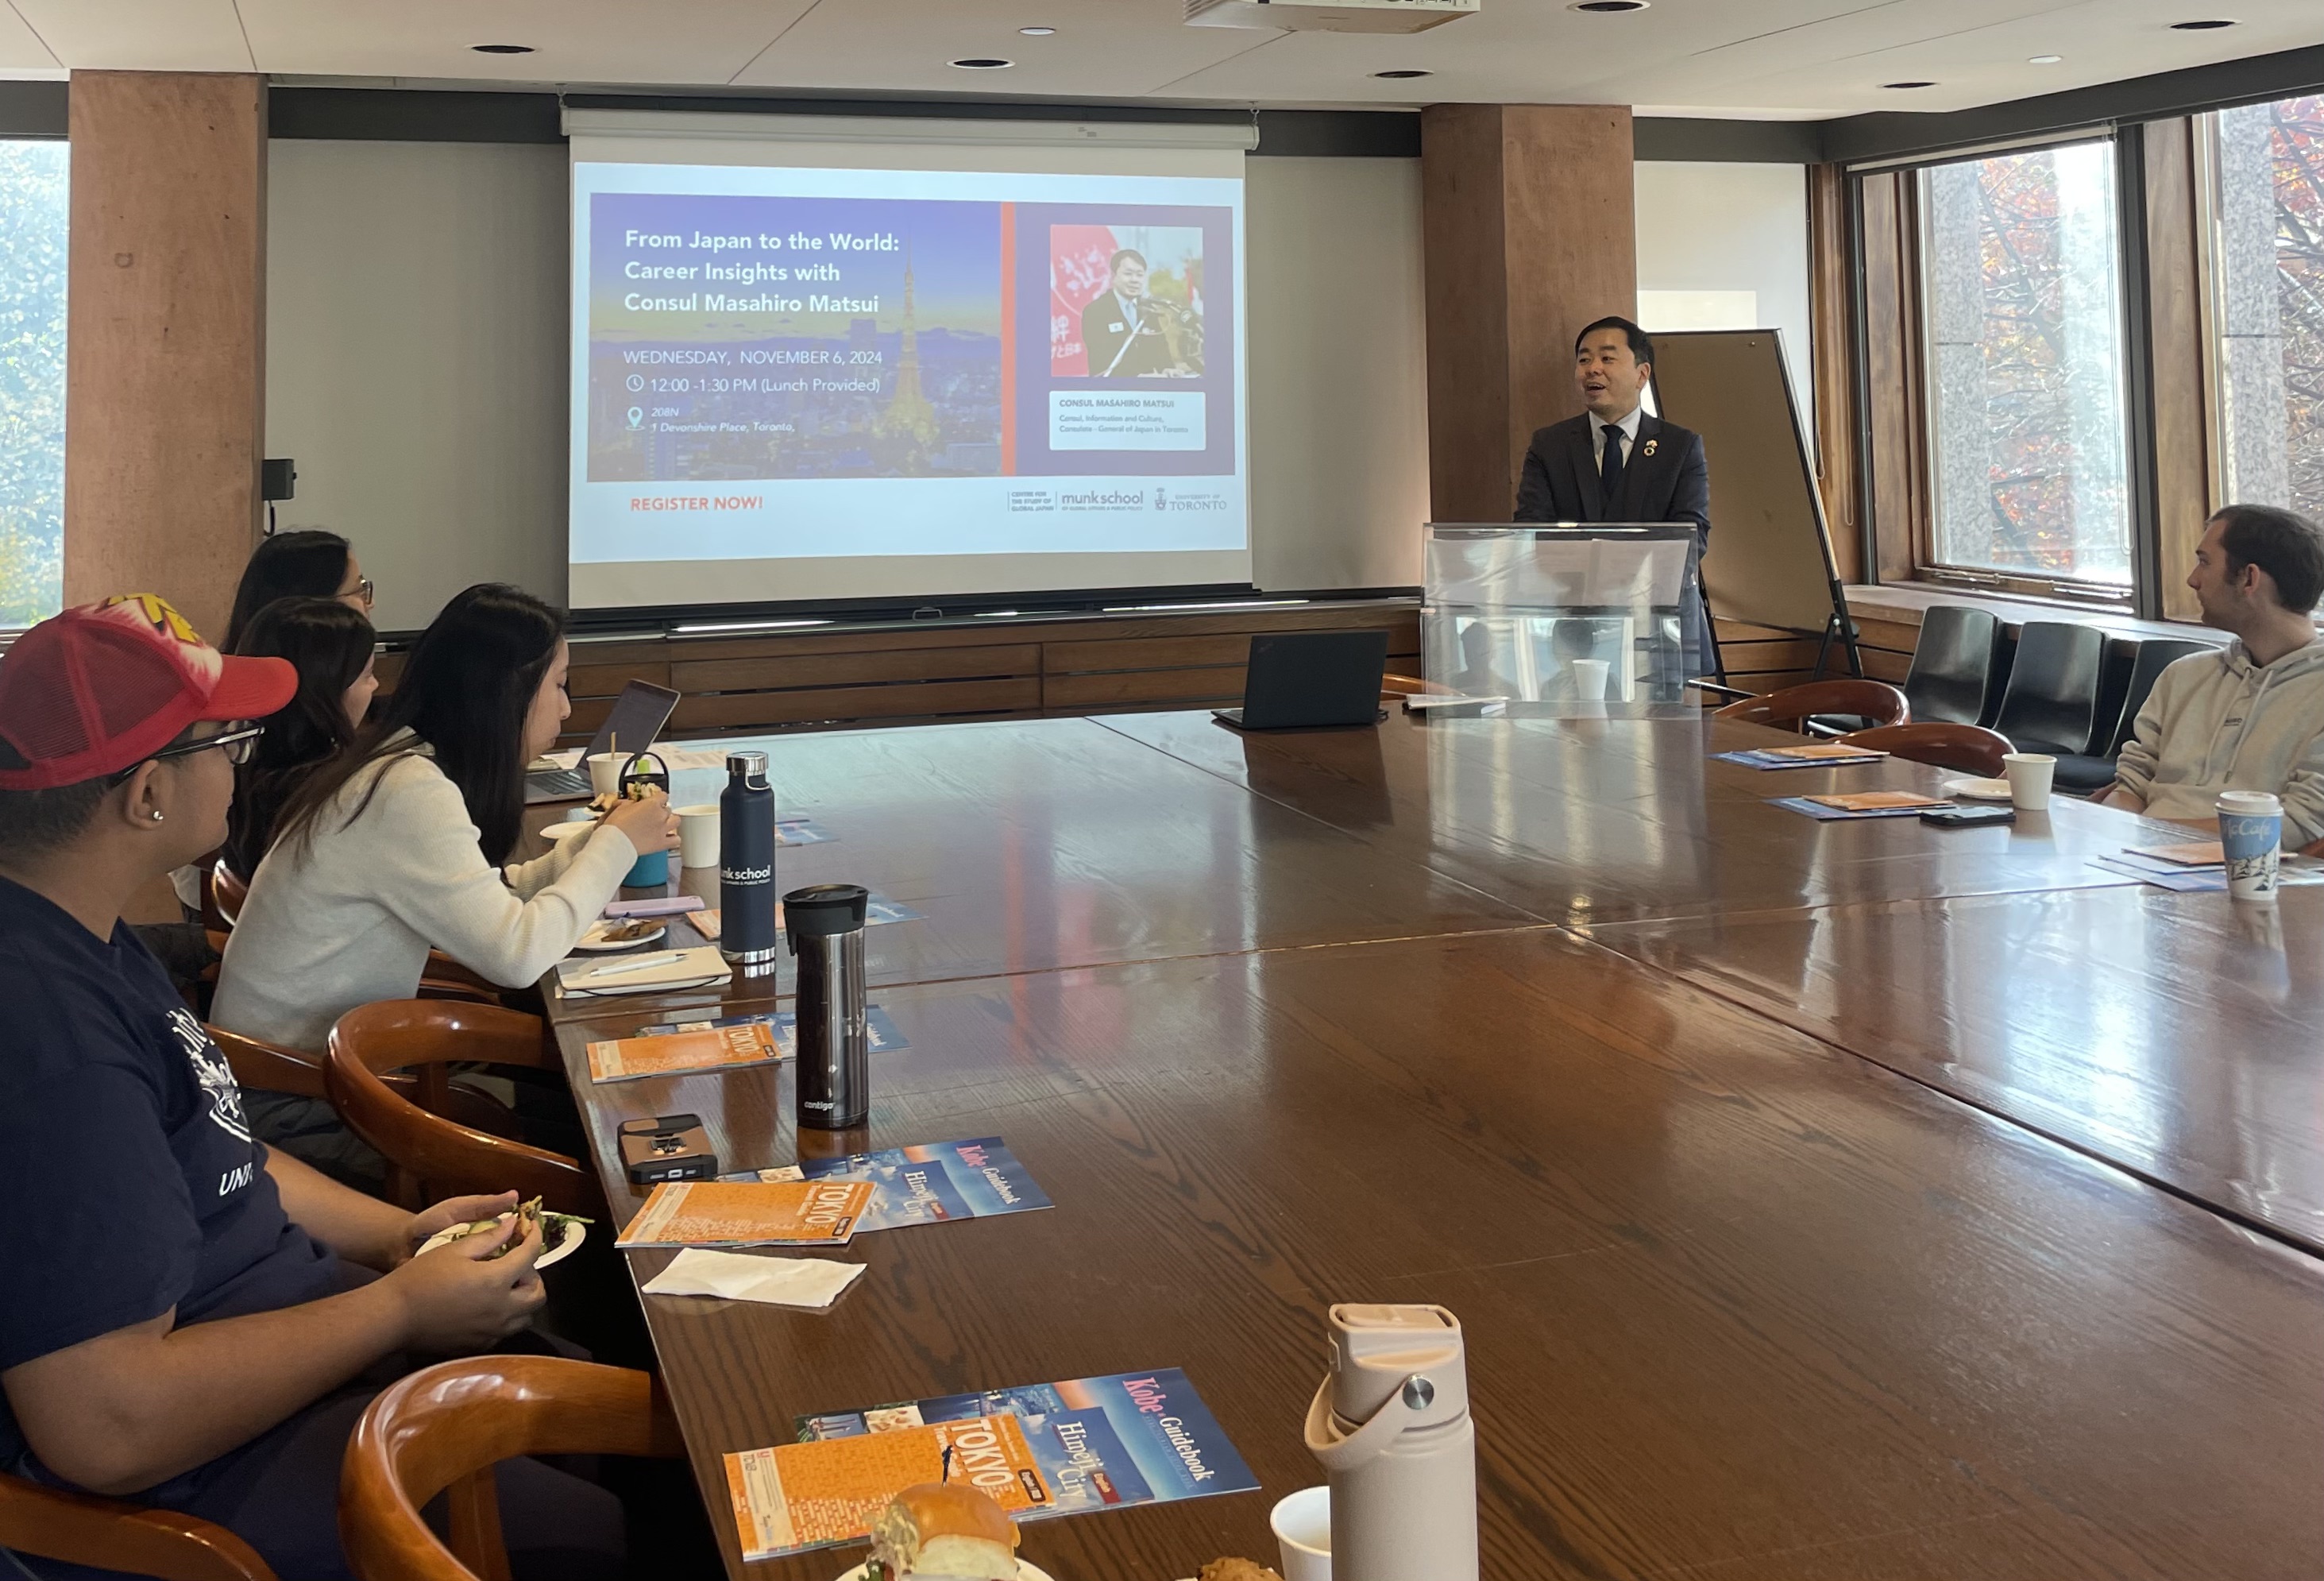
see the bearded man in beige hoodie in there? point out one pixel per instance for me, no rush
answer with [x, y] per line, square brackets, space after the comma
[2250, 716]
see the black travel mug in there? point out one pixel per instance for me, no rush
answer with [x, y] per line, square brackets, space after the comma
[825, 925]
[746, 866]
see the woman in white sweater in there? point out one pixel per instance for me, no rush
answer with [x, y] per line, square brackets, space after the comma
[398, 848]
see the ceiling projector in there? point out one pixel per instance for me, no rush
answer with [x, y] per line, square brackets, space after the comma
[1372, 16]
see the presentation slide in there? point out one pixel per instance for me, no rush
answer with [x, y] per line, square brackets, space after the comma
[809, 381]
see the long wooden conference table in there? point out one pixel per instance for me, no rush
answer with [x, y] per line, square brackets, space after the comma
[1820, 1200]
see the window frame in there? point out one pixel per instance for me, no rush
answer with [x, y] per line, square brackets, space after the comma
[1927, 565]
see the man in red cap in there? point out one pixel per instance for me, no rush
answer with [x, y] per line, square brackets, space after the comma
[191, 1320]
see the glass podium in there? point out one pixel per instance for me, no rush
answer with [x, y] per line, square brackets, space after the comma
[1563, 619]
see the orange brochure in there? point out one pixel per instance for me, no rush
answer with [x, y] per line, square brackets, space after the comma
[1823, 750]
[677, 1053]
[2199, 854]
[829, 1490]
[753, 1213]
[1873, 801]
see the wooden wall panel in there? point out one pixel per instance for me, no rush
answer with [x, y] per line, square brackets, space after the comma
[1831, 313]
[1892, 351]
[2181, 360]
[165, 358]
[826, 678]
[1530, 231]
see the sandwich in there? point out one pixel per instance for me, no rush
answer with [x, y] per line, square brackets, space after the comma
[553, 1228]
[943, 1530]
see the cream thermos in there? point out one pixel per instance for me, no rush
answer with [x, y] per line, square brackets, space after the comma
[1391, 1427]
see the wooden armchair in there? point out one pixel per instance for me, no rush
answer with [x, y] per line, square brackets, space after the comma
[442, 1429]
[1969, 748]
[107, 1534]
[430, 1156]
[1875, 701]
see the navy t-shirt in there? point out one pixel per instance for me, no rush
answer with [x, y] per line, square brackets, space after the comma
[129, 1183]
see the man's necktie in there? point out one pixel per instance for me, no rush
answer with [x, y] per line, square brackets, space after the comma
[1609, 467]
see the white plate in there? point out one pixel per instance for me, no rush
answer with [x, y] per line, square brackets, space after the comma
[573, 1236]
[1979, 790]
[593, 937]
[1026, 1571]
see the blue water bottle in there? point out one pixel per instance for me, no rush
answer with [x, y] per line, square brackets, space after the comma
[746, 866]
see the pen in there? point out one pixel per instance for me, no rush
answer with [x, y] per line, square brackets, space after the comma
[666, 958]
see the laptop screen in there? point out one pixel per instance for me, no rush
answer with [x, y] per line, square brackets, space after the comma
[637, 717]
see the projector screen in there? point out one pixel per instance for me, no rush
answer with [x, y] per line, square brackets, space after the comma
[814, 360]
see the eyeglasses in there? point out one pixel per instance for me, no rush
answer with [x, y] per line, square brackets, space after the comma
[237, 746]
[365, 588]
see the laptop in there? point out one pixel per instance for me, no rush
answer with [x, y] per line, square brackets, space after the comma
[635, 721]
[1308, 680]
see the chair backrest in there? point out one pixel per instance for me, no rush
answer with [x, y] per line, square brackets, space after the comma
[431, 1156]
[1875, 700]
[269, 1067]
[2155, 655]
[2051, 703]
[1971, 749]
[1952, 664]
[442, 1429]
[106, 1534]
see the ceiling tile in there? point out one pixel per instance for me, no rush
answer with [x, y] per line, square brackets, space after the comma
[697, 42]
[139, 36]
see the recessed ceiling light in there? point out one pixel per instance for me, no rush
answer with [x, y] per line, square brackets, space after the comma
[1400, 76]
[1037, 32]
[1907, 84]
[2213, 25]
[982, 63]
[501, 49]
[2045, 59]
[1608, 7]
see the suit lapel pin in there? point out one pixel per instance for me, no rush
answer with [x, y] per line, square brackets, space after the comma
[1648, 448]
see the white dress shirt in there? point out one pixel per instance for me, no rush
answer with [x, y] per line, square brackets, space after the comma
[1629, 427]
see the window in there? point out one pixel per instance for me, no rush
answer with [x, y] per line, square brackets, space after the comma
[32, 380]
[2267, 302]
[2023, 326]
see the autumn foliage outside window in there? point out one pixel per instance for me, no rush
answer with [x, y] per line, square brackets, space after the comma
[32, 380]
[2021, 290]
[2267, 276]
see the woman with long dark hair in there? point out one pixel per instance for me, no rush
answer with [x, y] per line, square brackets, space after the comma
[331, 647]
[308, 563]
[399, 843]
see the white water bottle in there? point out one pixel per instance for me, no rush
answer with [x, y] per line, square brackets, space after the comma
[1391, 1427]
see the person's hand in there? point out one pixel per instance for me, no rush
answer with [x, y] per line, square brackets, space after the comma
[647, 822]
[454, 1210]
[455, 1302]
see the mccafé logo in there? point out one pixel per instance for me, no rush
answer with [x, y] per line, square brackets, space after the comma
[746, 875]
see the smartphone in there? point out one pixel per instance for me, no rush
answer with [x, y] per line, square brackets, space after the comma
[1968, 818]
[666, 1147]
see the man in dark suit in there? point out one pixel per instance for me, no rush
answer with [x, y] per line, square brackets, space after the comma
[1616, 463]
[1122, 329]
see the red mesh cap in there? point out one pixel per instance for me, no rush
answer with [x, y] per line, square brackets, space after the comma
[104, 687]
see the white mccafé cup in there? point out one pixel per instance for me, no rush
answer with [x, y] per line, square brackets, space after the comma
[2251, 836]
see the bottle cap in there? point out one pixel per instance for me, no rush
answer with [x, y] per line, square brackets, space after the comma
[1376, 1349]
[750, 765]
[823, 910]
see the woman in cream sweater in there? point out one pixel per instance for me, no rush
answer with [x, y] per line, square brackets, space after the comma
[399, 846]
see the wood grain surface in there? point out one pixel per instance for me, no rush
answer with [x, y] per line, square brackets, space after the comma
[1738, 1304]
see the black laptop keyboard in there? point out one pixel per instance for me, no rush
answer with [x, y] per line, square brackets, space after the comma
[557, 782]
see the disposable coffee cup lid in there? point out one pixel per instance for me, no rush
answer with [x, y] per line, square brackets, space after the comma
[2250, 804]
[822, 909]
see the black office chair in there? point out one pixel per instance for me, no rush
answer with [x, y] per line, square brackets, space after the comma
[2086, 773]
[2051, 703]
[1952, 676]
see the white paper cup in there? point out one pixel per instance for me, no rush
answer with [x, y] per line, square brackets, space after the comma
[606, 772]
[1302, 1530]
[1590, 677]
[2029, 774]
[697, 836]
[2251, 836]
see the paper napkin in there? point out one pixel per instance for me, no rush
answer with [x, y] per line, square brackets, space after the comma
[779, 1281]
